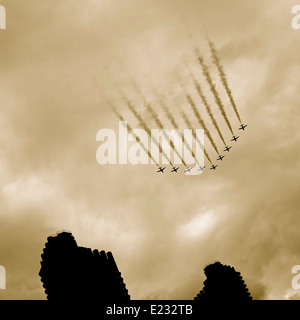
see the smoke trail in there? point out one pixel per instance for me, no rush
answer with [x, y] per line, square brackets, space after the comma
[156, 119]
[146, 128]
[175, 125]
[207, 106]
[168, 114]
[136, 137]
[138, 89]
[160, 125]
[213, 89]
[201, 122]
[223, 77]
[188, 123]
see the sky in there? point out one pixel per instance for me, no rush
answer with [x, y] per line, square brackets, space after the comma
[62, 65]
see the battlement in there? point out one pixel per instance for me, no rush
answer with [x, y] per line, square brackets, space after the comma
[70, 272]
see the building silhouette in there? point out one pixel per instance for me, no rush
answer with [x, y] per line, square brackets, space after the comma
[70, 272]
[223, 283]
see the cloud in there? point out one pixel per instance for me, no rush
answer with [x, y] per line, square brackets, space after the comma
[199, 225]
[58, 66]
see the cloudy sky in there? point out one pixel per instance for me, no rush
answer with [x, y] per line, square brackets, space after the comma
[61, 61]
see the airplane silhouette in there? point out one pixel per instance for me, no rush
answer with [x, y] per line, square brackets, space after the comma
[243, 126]
[175, 169]
[213, 167]
[201, 168]
[188, 169]
[234, 138]
[221, 157]
[161, 169]
[227, 148]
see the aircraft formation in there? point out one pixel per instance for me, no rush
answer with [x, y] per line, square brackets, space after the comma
[213, 166]
[197, 112]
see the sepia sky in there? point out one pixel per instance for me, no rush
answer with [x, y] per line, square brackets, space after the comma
[61, 61]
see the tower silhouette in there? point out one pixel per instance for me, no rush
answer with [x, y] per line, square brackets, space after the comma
[69, 272]
[223, 283]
